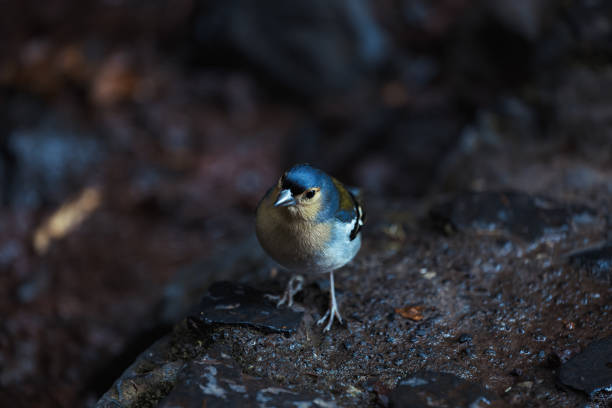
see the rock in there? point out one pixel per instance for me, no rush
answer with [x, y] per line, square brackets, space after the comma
[167, 369]
[375, 347]
[591, 370]
[216, 380]
[149, 375]
[187, 370]
[228, 303]
[433, 389]
[520, 214]
[597, 260]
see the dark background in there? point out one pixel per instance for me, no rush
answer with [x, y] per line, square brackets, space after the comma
[177, 115]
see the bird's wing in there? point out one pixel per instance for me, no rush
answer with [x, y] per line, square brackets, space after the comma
[350, 209]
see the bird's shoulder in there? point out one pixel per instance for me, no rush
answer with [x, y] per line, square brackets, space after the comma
[350, 209]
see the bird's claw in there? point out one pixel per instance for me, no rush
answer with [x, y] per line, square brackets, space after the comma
[330, 314]
[333, 310]
[294, 286]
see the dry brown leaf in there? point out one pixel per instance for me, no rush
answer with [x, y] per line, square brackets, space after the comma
[414, 313]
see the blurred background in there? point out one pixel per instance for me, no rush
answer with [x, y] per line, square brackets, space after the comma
[136, 137]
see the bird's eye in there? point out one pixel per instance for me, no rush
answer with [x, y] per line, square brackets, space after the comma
[310, 193]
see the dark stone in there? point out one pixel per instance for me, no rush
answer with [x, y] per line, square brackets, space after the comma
[216, 380]
[523, 215]
[597, 260]
[446, 389]
[227, 303]
[210, 378]
[465, 338]
[148, 378]
[591, 370]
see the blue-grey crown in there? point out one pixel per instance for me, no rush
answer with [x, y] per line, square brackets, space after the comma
[303, 176]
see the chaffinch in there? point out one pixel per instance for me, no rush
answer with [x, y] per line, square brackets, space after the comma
[311, 222]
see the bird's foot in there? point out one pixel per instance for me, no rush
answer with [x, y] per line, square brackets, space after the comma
[333, 306]
[331, 312]
[294, 286]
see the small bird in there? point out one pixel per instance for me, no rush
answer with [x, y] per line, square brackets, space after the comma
[310, 222]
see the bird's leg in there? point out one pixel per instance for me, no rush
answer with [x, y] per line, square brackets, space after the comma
[333, 306]
[294, 286]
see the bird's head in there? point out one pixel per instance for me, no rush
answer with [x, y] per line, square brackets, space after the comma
[302, 190]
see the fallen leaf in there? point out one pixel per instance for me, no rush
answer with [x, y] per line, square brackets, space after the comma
[414, 313]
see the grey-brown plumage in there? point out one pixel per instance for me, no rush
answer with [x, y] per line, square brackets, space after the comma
[311, 222]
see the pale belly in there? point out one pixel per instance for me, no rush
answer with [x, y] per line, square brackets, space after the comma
[305, 246]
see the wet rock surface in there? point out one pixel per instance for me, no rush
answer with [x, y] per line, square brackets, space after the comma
[472, 317]
[190, 369]
[149, 378]
[431, 389]
[526, 216]
[227, 303]
[217, 381]
[591, 370]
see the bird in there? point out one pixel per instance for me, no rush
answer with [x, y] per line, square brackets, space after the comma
[310, 222]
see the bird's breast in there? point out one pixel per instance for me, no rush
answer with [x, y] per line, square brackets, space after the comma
[294, 243]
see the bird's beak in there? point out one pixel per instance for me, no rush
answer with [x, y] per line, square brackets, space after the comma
[284, 199]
